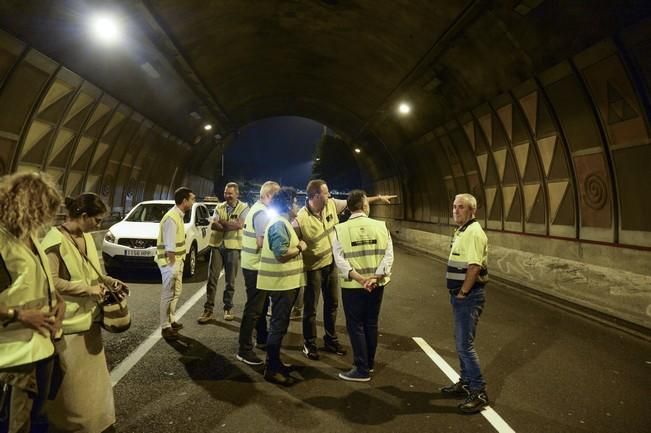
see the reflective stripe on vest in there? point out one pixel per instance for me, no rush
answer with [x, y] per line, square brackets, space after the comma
[161, 257]
[250, 254]
[364, 242]
[31, 288]
[231, 239]
[316, 234]
[80, 310]
[274, 275]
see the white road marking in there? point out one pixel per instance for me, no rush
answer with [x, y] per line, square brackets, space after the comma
[134, 357]
[491, 416]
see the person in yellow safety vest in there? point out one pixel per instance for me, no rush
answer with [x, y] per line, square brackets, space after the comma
[363, 252]
[31, 311]
[257, 301]
[85, 398]
[466, 277]
[280, 274]
[314, 224]
[225, 247]
[170, 252]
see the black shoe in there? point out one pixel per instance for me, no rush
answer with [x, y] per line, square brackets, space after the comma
[335, 347]
[278, 378]
[177, 325]
[475, 402]
[249, 358]
[459, 390]
[170, 334]
[311, 352]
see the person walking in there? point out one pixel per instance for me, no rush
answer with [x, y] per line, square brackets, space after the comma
[363, 252]
[170, 252]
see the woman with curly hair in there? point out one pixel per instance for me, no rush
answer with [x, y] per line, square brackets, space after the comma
[30, 309]
[84, 402]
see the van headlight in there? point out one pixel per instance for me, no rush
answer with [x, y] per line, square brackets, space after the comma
[109, 237]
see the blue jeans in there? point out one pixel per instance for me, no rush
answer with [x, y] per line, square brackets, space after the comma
[466, 316]
[282, 302]
[362, 311]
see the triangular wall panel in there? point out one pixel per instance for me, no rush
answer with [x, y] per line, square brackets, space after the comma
[529, 105]
[506, 116]
[546, 146]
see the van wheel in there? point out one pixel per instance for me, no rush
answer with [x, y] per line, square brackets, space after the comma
[190, 267]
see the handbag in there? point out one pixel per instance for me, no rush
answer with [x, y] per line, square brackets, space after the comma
[115, 315]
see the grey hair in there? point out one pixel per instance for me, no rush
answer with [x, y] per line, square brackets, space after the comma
[269, 188]
[470, 200]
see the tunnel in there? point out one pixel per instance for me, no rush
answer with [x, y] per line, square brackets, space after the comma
[539, 108]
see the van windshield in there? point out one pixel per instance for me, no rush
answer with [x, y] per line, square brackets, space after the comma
[152, 213]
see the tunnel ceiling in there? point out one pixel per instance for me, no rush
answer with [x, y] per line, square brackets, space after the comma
[344, 63]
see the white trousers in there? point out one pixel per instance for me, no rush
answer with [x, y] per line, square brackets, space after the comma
[171, 292]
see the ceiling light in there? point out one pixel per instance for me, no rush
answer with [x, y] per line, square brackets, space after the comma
[404, 108]
[318, 159]
[207, 126]
[105, 28]
[358, 150]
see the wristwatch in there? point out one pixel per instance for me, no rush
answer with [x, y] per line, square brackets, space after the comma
[13, 316]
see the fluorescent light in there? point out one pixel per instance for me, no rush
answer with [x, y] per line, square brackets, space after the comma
[207, 126]
[404, 108]
[105, 28]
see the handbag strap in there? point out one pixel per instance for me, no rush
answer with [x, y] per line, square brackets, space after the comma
[101, 277]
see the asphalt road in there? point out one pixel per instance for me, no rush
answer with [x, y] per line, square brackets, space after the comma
[547, 370]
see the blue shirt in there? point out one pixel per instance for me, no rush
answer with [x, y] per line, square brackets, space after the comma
[278, 239]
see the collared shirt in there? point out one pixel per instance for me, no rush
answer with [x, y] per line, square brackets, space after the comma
[344, 266]
[278, 239]
[169, 231]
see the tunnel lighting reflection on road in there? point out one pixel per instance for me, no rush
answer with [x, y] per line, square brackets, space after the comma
[404, 108]
[105, 28]
[358, 150]
[207, 127]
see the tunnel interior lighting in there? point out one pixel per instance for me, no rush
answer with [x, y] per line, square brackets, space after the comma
[318, 159]
[207, 127]
[358, 150]
[105, 28]
[404, 108]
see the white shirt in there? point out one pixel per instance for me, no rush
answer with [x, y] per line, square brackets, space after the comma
[344, 266]
[169, 231]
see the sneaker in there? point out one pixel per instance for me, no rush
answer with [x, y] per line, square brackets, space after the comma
[170, 334]
[228, 316]
[177, 325]
[311, 352]
[459, 389]
[475, 402]
[353, 375]
[249, 358]
[278, 378]
[205, 317]
[335, 347]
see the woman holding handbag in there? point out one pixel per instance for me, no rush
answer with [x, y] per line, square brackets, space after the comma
[75, 268]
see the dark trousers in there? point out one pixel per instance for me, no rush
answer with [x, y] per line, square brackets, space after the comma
[255, 312]
[326, 281]
[229, 260]
[466, 313]
[282, 302]
[362, 311]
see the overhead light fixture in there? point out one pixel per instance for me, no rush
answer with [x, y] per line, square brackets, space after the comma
[318, 159]
[207, 126]
[105, 28]
[404, 108]
[358, 150]
[218, 136]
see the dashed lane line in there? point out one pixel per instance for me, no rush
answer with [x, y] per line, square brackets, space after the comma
[491, 416]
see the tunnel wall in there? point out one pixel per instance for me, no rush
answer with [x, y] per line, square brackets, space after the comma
[53, 120]
[560, 167]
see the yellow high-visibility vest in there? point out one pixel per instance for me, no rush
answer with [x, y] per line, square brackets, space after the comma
[274, 275]
[250, 253]
[364, 242]
[316, 234]
[31, 288]
[231, 239]
[161, 257]
[80, 310]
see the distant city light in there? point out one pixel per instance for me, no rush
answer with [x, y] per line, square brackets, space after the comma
[105, 28]
[358, 150]
[404, 108]
[207, 127]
